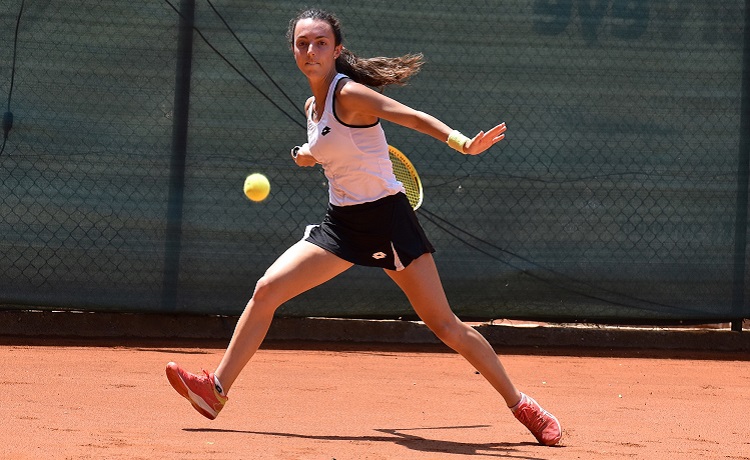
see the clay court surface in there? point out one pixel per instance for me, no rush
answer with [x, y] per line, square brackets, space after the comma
[80, 400]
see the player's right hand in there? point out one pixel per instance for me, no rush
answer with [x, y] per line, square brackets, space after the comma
[302, 156]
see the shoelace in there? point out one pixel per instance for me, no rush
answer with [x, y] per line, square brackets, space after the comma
[534, 420]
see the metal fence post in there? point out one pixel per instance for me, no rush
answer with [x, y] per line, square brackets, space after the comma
[179, 151]
[740, 234]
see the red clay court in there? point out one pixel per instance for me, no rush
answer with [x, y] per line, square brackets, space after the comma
[88, 399]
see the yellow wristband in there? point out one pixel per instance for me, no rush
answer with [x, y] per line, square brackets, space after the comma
[457, 141]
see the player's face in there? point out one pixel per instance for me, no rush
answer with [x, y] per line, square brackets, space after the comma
[315, 50]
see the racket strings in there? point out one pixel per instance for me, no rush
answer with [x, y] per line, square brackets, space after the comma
[404, 176]
[407, 175]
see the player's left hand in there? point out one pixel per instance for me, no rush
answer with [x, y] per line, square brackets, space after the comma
[483, 141]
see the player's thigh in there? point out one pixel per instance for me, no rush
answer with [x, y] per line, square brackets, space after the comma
[421, 283]
[300, 268]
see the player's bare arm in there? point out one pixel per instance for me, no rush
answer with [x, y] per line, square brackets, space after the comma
[362, 105]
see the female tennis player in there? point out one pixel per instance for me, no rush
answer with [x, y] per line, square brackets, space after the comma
[369, 220]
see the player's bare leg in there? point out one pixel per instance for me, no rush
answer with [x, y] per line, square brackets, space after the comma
[300, 268]
[421, 284]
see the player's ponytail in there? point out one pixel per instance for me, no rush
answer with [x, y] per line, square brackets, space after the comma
[377, 71]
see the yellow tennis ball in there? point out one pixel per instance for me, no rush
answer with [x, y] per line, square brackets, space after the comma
[257, 187]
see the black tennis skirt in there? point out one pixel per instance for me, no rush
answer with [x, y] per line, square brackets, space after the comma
[384, 233]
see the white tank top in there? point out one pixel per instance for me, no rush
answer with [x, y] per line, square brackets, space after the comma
[354, 158]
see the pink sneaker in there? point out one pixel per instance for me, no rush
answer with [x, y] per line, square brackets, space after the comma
[543, 425]
[200, 390]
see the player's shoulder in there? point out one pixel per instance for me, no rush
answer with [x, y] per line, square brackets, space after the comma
[348, 88]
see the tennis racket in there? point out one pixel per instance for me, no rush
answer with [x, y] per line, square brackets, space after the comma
[407, 175]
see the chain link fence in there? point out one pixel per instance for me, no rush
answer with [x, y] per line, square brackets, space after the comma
[619, 194]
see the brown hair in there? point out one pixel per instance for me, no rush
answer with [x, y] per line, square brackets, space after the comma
[376, 72]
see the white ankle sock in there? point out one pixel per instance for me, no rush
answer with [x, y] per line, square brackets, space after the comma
[523, 396]
[218, 385]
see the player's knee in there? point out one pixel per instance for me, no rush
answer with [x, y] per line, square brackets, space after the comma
[263, 295]
[450, 332]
